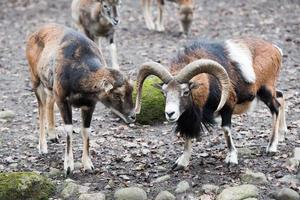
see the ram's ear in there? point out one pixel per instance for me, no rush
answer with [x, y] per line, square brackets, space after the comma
[106, 86]
[193, 85]
[157, 85]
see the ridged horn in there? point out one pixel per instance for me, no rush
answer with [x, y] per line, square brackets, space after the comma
[147, 69]
[210, 67]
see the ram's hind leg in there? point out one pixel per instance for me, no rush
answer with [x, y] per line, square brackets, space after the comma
[86, 115]
[268, 97]
[52, 134]
[160, 20]
[183, 161]
[41, 98]
[282, 120]
[148, 15]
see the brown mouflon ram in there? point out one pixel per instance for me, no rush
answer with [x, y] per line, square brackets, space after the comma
[98, 18]
[186, 12]
[66, 68]
[211, 79]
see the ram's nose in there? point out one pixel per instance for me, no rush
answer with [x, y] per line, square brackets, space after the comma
[170, 114]
[132, 117]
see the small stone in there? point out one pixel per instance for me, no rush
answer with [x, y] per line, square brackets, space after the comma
[92, 196]
[292, 163]
[161, 168]
[132, 193]
[287, 194]
[53, 172]
[13, 165]
[7, 114]
[182, 187]
[162, 179]
[297, 153]
[165, 195]
[290, 179]
[209, 188]
[253, 177]
[238, 192]
[72, 189]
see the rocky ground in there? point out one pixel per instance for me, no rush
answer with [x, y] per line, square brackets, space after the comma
[142, 156]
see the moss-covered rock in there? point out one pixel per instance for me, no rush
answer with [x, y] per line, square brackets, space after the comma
[153, 103]
[25, 185]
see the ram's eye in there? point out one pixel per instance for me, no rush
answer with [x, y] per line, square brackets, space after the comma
[117, 96]
[186, 93]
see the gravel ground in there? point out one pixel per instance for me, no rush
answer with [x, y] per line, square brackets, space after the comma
[126, 156]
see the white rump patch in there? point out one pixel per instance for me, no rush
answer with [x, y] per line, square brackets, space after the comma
[240, 53]
[279, 49]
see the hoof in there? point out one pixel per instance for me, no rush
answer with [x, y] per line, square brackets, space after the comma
[54, 140]
[89, 171]
[270, 153]
[68, 172]
[177, 167]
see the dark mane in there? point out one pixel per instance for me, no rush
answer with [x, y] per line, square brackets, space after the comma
[192, 122]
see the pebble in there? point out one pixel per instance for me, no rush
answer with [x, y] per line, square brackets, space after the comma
[7, 114]
[239, 192]
[71, 189]
[297, 153]
[209, 188]
[165, 195]
[286, 194]
[132, 193]
[92, 196]
[290, 179]
[182, 187]
[253, 177]
[162, 179]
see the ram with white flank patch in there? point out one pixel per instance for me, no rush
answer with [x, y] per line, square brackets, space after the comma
[67, 68]
[98, 18]
[186, 12]
[210, 79]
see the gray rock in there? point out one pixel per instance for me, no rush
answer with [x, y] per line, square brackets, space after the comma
[251, 199]
[7, 114]
[287, 194]
[132, 193]
[72, 189]
[92, 196]
[182, 186]
[165, 195]
[54, 172]
[290, 179]
[292, 163]
[162, 179]
[297, 153]
[239, 192]
[253, 177]
[209, 188]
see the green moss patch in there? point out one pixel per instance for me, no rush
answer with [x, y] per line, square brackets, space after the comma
[25, 185]
[153, 103]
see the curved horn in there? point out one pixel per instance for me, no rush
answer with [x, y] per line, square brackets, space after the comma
[210, 67]
[147, 69]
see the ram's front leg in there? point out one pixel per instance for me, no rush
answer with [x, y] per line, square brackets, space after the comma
[183, 161]
[86, 115]
[232, 155]
[66, 113]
